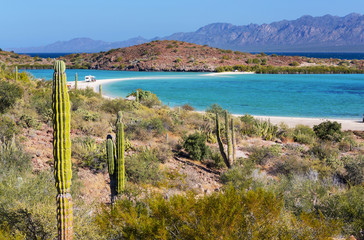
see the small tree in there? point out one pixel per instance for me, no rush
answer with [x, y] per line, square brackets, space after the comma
[329, 131]
[195, 145]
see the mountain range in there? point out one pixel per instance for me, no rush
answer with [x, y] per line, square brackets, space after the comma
[306, 34]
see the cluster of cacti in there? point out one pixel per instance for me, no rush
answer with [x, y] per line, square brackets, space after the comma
[266, 130]
[230, 141]
[115, 159]
[100, 90]
[62, 151]
[16, 73]
[76, 81]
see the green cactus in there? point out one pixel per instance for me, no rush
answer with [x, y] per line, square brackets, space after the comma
[227, 135]
[120, 150]
[233, 140]
[62, 151]
[137, 95]
[221, 146]
[76, 81]
[110, 151]
[100, 90]
[16, 73]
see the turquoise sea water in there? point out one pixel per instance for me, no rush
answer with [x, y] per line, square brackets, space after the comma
[311, 95]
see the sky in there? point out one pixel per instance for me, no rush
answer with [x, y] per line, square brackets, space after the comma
[25, 23]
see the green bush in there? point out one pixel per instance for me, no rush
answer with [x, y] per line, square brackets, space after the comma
[146, 98]
[195, 146]
[239, 176]
[330, 131]
[348, 206]
[227, 215]
[9, 94]
[303, 134]
[354, 170]
[115, 105]
[143, 167]
[91, 154]
[216, 108]
[261, 155]
[154, 124]
[8, 128]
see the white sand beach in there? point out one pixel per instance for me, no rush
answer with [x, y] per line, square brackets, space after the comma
[354, 125]
[228, 73]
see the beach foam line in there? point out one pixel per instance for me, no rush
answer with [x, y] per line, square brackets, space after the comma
[227, 73]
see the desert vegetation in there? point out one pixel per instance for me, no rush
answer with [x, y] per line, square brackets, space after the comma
[275, 182]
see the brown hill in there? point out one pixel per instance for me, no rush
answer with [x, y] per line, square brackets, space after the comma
[172, 56]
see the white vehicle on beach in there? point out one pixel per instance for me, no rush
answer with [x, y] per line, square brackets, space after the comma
[90, 78]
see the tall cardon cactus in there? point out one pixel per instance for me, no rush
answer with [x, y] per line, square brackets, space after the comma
[62, 151]
[233, 140]
[116, 160]
[16, 73]
[100, 90]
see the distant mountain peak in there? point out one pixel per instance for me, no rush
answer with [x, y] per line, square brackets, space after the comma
[307, 33]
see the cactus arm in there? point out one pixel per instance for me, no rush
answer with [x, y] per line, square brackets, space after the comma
[62, 151]
[233, 140]
[221, 146]
[76, 81]
[110, 156]
[16, 73]
[120, 150]
[228, 140]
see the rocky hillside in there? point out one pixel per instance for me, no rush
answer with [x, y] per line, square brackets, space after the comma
[171, 55]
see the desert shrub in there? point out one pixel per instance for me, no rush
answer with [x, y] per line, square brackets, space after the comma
[294, 64]
[353, 170]
[303, 134]
[146, 98]
[330, 131]
[215, 160]
[230, 214]
[261, 155]
[87, 92]
[88, 115]
[90, 153]
[42, 101]
[27, 121]
[195, 146]
[349, 207]
[292, 164]
[154, 124]
[215, 108]
[143, 167]
[8, 128]
[348, 143]
[9, 94]
[239, 176]
[115, 105]
[324, 151]
[13, 158]
[188, 107]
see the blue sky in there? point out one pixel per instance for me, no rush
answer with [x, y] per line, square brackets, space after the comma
[26, 23]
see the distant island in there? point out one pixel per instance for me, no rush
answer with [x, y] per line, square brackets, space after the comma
[305, 34]
[168, 55]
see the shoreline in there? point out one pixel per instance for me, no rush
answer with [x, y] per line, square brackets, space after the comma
[346, 124]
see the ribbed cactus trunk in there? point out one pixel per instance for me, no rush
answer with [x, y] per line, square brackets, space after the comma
[76, 81]
[219, 141]
[227, 136]
[120, 150]
[100, 90]
[110, 151]
[137, 95]
[233, 140]
[16, 73]
[62, 151]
